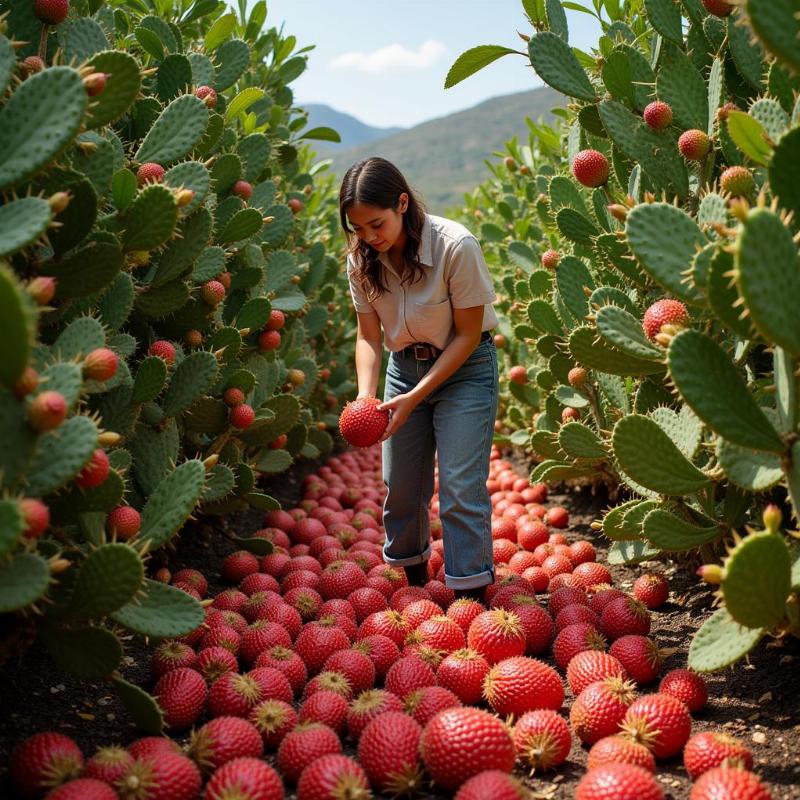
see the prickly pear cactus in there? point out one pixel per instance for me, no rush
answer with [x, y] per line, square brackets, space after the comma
[165, 263]
[645, 251]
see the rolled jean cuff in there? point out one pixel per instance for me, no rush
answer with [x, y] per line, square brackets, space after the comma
[469, 581]
[409, 561]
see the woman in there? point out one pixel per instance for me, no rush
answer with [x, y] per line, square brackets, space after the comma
[423, 280]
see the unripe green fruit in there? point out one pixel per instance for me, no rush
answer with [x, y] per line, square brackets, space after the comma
[737, 181]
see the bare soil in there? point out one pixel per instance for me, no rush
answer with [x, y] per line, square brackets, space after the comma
[757, 700]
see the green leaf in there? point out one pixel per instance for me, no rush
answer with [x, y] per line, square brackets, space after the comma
[322, 134]
[242, 102]
[473, 60]
[219, 32]
[558, 66]
[750, 137]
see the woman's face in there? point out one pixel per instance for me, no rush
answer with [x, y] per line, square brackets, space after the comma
[380, 228]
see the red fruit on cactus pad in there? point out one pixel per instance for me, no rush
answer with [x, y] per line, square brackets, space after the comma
[150, 173]
[550, 259]
[213, 292]
[737, 181]
[694, 145]
[664, 312]
[242, 189]
[719, 8]
[242, 416]
[164, 350]
[710, 749]
[207, 95]
[658, 115]
[590, 168]
[100, 365]
[95, 472]
[125, 521]
[47, 411]
[51, 12]
[36, 516]
[360, 422]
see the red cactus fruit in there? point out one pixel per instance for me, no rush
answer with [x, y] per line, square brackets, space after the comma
[550, 259]
[687, 686]
[590, 167]
[719, 8]
[306, 743]
[182, 695]
[277, 319]
[519, 684]
[664, 312]
[652, 590]
[658, 115]
[694, 145]
[246, 778]
[331, 777]
[388, 750]
[164, 350]
[660, 722]
[221, 740]
[598, 710]
[592, 665]
[360, 422]
[207, 95]
[620, 750]
[100, 365]
[242, 189]
[729, 782]
[213, 292]
[47, 411]
[150, 172]
[43, 761]
[618, 781]
[542, 739]
[36, 516]
[241, 416]
[710, 749]
[124, 522]
[95, 472]
[737, 181]
[640, 655]
[518, 374]
[51, 12]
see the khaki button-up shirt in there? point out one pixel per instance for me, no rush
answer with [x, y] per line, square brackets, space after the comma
[456, 277]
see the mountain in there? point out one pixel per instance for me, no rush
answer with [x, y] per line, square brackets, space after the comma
[444, 157]
[353, 131]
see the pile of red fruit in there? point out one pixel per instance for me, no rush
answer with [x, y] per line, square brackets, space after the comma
[320, 647]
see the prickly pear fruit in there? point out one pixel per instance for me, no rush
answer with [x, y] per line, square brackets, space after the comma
[360, 422]
[47, 411]
[719, 8]
[737, 181]
[42, 290]
[277, 319]
[233, 396]
[95, 472]
[242, 189]
[295, 205]
[550, 259]
[125, 521]
[213, 292]
[664, 312]
[590, 168]
[163, 349]
[269, 340]
[150, 173]
[658, 115]
[100, 365]
[242, 416]
[207, 95]
[694, 145]
[518, 374]
[36, 515]
[576, 377]
[51, 12]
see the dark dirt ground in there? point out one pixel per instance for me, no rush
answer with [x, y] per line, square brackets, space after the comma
[757, 700]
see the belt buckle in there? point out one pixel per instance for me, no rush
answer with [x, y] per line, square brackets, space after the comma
[422, 352]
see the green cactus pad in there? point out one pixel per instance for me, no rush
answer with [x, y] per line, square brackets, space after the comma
[551, 471]
[142, 707]
[709, 383]
[12, 524]
[68, 505]
[161, 612]
[242, 225]
[655, 151]
[673, 534]
[226, 171]
[595, 353]
[210, 263]
[752, 470]
[274, 233]
[747, 53]
[17, 326]
[209, 141]
[230, 341]
[631, 553]
[610, 295]
[757, 580]
[80, 337]
[576, 227]
[97, 163]
[785, 389]
[64, 377]
[545, 444]
[87, 652]
[174, 76]
[232, 60]
[164, 300]
[193, 377]
[633, 517]
[122, 87]
[772, 116]
[189, 242]
[203, 71]
[565, 194]
[74, 280]
[723, 297]
[664, 239]
[78, 218]
[23, 222]
[624, 332]
[177, 130]
[274, 461]
[665, 17]
[784, 171]
[60, 455]
[151, 219]
[651, 459]
[254, 152]
[171, 503]
[116, 302]
[24, 578]
[543, 318]
[263, 195]
[581, 442]
[189, 175]
[681, 85]
[556, 64]
[720, 642]
[108, 578]
[220, 484]
[749, 136]
[776, 24]
[150, 379]
[683, 427]
[8, 62]
[613, 519]
[154, 454]
[31, 135]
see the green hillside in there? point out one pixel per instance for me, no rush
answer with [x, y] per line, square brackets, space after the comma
[444, 158]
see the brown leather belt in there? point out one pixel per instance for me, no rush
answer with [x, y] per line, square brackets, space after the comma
[422, 351]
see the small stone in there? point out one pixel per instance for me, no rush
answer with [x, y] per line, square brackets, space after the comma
[765, 698]
[759, 737]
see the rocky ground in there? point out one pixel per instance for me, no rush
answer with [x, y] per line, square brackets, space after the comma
[757, 700]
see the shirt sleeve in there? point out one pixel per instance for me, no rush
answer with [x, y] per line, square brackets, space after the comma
[360, 302]
[468, 279]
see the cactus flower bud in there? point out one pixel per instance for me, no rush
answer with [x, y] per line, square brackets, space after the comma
[59, 565]
[47, 411]
[183, 197]
[59, 201]
[772, 518]
[27, 382]
[109, 439]
[95, 82]
[42, 289]
[163, 575]
[618, 211]
[211, 461]
[711, 573]
[36, 516]
[100, 365]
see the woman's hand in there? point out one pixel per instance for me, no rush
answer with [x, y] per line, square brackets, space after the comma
[400, 407]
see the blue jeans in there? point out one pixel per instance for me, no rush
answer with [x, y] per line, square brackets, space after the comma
[456, 422]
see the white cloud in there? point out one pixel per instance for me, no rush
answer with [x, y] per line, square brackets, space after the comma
[391, 57]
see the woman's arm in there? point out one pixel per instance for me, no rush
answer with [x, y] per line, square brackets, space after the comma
[369, 353]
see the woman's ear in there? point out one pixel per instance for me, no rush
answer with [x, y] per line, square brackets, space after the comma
[402, 203]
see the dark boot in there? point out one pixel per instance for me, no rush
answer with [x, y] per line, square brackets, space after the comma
[475, 593]
[417, 574]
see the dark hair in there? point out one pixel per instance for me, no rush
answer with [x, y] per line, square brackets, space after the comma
[377, 182]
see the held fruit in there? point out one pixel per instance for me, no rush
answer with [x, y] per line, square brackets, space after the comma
[590, 168]
[360, 422]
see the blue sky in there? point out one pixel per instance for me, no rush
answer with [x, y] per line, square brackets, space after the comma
[385, 61]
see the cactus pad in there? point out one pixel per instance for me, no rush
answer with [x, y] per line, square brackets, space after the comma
[720, 642]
